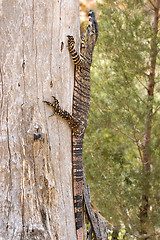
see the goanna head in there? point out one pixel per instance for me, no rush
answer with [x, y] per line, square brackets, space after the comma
[92, 29]
[90, 35]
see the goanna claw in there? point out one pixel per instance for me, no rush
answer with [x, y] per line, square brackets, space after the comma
[56, 102]
[69, 36]
[50, 104]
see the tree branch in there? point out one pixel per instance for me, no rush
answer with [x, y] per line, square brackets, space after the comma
[156, 110]
[125, 134]
[152, 4]
[137, 142]
[142, 83]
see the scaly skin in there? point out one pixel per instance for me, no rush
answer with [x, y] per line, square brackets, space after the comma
[78, 120]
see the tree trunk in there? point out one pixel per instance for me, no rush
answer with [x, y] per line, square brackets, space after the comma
[35, 149]
[146, 158]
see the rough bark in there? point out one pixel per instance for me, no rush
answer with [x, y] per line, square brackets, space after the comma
[146, 158]
[35, 149]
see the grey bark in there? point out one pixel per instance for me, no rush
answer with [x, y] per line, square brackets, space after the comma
[35, 150]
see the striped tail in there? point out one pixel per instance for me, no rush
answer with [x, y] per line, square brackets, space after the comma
[78, 184]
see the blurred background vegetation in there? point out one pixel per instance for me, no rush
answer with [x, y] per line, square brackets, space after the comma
[120, 103]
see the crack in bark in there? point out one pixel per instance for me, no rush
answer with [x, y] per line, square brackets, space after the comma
[22, 190]
[9, 166]
[23, 51]
[51, 45]
[13, 233]
[35, 50]
[1, 88]
[39, 206]
[61, 183]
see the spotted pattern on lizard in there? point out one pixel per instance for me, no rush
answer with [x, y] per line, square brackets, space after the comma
[78, 120]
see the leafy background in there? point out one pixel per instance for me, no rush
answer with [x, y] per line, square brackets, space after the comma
[113, 143]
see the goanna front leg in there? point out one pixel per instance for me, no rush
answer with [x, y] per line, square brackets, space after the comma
[75, 56]
[72, 122]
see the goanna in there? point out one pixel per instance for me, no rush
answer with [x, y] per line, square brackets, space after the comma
[78, 120]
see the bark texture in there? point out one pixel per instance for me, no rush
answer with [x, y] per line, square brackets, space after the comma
[35, 149]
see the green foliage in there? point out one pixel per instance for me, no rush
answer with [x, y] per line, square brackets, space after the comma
[114, 138]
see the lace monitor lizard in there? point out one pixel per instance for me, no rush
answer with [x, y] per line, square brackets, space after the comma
[78, 120]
